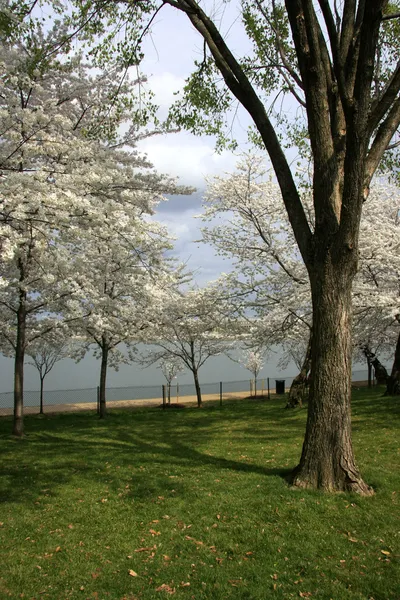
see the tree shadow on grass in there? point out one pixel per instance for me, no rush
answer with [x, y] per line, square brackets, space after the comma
[81, 448]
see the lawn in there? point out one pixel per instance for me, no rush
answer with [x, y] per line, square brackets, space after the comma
[193, 504]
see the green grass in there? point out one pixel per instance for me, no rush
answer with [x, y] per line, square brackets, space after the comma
[195, 497]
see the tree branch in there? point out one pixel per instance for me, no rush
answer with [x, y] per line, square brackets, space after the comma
[240, 86]
[382, 141]
[391, 16]
[381, 106]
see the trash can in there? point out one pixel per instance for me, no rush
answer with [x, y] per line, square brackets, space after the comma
[280, 386]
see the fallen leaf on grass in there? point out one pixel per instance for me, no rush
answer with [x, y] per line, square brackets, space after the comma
[70, 526]
[385, 552]
[352, 540]
[132, 573]
[165, 588]
[58, 549]
[192, 539]
[150, 556]
[154, 532]
[305, 594]
[274, 576]
[235, 582]
[147, 549]
[185, 584]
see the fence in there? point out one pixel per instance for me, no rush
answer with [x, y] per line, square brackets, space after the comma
[78, 399]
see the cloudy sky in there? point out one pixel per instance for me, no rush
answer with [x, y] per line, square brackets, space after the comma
[169, 55]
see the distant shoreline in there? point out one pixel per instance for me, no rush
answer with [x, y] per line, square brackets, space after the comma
[140, 403]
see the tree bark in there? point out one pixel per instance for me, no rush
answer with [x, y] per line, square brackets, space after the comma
[197, 386]
[381, 375]
[369, 372]
[18, 422]
[327, 461]
[299, 388]
[393, 382]
[103, 377]
[41, 395]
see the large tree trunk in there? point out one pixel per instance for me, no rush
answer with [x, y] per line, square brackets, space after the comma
[327, 460]
[197, 386]
[103, 377]
[393, 382]
[299, 389]
[18, 423]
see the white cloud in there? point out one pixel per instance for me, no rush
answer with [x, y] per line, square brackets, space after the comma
[164, 86]
[188, 157]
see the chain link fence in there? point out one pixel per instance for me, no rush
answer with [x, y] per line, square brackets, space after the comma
[151, 395]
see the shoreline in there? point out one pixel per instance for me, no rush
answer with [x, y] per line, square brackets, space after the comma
[142, 403]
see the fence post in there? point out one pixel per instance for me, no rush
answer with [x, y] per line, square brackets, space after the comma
[269, 395]
[98, 400]
[220, 393]
[163, 397]
[251, 388]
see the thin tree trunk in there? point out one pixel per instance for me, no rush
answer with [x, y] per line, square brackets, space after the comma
[41, 395]
[381, 375]
[197, 386]
[369, 373]
[299, 388]
[169, 392]
[18, 422]
[327, 460]
[393, 382]
[103, 377]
